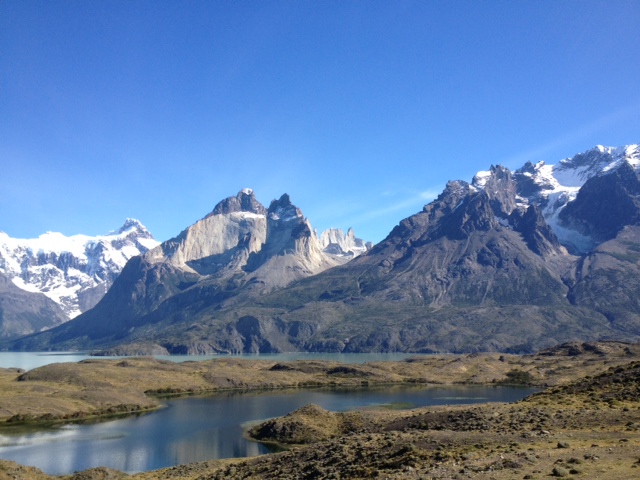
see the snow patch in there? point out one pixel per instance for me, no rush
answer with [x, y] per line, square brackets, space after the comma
[580, 243]
[557, 185]
[502, 221]
[285, 214]
[244, 215]
[480, 179]
[62, 267]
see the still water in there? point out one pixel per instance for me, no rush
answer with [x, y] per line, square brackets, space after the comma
[31, 360]
[203, 428]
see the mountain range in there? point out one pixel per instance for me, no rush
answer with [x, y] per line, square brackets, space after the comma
[51, 279]
[512, 261]
[61, 277]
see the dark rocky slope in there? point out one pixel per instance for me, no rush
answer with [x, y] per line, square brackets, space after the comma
[480, 268]
[23, 312]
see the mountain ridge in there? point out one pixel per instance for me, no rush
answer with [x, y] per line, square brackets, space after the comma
[513, 261]
[74, 272]
[239, 246]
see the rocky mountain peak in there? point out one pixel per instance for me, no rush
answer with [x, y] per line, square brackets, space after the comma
[244, 201]
[531, 180]
[576, 170]
[335, 242]
[133, 224]
[454, 192]
[529, 167]
[500, 186]
[457, 212]
[283, 210]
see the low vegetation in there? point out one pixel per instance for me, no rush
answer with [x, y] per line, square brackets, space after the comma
[585, 423]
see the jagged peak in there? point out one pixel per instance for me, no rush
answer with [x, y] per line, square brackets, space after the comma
[599, 157]
[334, 241]
[244, 201]
[530, 167]
[495, 172]
[457, 187]
[132, 224]
[283, 201]
[283, 210]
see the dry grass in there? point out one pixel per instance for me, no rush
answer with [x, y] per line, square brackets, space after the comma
[585, 426]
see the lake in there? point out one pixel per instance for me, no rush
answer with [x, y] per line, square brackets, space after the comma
[193, 429]
[31, 360]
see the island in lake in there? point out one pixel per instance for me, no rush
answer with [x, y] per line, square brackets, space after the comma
[583, 423]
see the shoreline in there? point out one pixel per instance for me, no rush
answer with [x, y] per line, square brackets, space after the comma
[99, 389]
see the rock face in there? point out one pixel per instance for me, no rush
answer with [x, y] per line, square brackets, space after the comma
[74, 273]
[241, 241]
[220, 242]
[336, 242]
[513, 261]
[553, 187]
[271, 246]
[23, 312]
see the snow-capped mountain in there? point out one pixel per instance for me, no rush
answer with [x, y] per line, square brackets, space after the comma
[513, 261]
[239, 251]
[75, 271]
[552, 187]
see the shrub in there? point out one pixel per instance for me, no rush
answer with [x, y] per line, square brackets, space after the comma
[518, 377]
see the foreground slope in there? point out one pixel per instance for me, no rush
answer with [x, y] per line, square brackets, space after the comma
[586, 429]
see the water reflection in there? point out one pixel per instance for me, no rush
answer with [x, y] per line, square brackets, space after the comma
[203, 428]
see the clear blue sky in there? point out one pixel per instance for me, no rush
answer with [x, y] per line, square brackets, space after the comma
[360, 110]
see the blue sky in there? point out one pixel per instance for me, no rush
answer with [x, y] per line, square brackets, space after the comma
[359, 110]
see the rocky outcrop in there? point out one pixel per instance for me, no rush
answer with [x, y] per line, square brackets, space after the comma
[307, 424]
